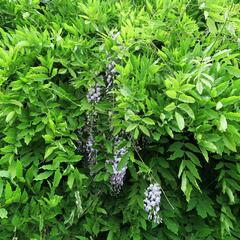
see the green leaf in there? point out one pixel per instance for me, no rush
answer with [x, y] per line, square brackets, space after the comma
[192, 169]
[219, 105]
[10, 116]
[209, 146]
[230, 195]
[110, 235]
[123, 162]
[230, 100]
[70, 180]
[4, 174]
[19, 169]
[221, 54]
[180, 120]
[223, 124]
[43, 176]
[3, 213]
[170, 107]
[234, 71]
[8, 191]
[144, 130]
[204, 207]
[184, 182]
[229, 142]
[185, 107]
[199, 87]
[186, 99]
[49, 151]
[148, 121]
[211, 25]
[15, 102]
[70, 29]
[136, 134]
[1, 187]
[57, 178]
[173, 226]
[193, 158]
[181, 168]
[169, 131]
[171, 93]
[235, 116]
[131, 127]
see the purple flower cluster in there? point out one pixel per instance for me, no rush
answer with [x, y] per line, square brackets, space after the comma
[94, 94]
[110, 75]
[152, 202]
[114, 37]
[91, 151]
[118, 175]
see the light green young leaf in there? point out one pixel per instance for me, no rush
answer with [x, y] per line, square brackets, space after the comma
[184, 182]
[131, 127]
[171, 93]
[180, 120]
[186, 99]
[211, 25]
[229, 142]
[49, 151]
[144, 130]
[148, 121]
[136, 134]
[234, 71]
[3, 213]
[219, 105]
[10, 116]
[222, 124]
[185, 107]
[170, 107]
[8, 191]
[199, 87]
[234, 116]
[43, 176]
[230, 100]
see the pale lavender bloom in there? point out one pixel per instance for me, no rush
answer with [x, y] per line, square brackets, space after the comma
[91, 151]
[152, 202]
[115, 35]
[110, 75]
[94, 94]
[117, 177]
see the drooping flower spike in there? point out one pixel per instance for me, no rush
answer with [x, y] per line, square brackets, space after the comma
[152, 202]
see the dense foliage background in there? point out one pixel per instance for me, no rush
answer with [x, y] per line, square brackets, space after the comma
[174, 102]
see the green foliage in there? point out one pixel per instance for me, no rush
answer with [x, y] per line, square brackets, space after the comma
[175, 99]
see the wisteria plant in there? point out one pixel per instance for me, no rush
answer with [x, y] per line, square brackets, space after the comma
[119, 119]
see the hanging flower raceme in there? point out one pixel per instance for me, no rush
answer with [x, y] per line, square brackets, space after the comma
[152, 202]
[111, 71]
[94, 94]
[118, 175]
[110, 75]
[91, 151]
